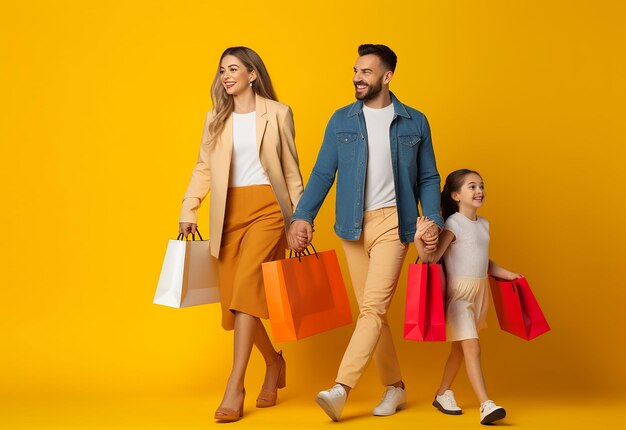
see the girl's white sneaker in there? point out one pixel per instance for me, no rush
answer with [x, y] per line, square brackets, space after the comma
[490, 412]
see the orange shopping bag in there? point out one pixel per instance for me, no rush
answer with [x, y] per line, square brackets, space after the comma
[305, 295]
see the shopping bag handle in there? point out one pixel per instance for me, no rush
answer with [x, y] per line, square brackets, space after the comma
[437, 262]
[306, 252]
[193, 236]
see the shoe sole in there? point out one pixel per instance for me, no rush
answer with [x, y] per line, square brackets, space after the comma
[496, 415]
[444, 410]
[327, 407]
[398, 408]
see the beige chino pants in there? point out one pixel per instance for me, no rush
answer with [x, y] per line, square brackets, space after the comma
[374, 261]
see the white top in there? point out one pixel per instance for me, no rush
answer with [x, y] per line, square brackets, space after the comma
[468, 255]
[379, 185]
[245, 167]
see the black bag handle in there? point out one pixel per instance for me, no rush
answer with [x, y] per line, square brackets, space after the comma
[193, 236]
[306, 252]
[440, 261]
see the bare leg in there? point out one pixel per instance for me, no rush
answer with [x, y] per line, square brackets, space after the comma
[471, 350]
[245, 330]
[455, 359]
[265, 347]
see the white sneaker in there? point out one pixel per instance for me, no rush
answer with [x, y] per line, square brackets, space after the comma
[446, 403]
[490, 412]
[333, 401]
[394, 399]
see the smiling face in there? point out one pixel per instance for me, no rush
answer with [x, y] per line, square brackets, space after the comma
[471, 195]
[235, 76]
[369, 77]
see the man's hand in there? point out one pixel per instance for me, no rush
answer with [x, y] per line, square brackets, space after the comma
[423, 225]
[300, 235]
[431, 238]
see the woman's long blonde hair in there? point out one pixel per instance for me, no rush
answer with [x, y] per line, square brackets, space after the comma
[223, 103]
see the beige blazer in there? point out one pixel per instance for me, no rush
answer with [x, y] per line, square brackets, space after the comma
[278, 156]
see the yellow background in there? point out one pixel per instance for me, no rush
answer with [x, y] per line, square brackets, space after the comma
[101, 110]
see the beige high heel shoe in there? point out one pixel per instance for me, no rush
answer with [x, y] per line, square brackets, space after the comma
[267, 397]
[228, 415]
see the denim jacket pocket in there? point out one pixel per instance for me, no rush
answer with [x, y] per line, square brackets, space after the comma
[407, 150]
[409, 140]
[346, 145]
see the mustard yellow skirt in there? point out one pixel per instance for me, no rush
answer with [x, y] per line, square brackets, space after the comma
[466, 307]
[253, 233]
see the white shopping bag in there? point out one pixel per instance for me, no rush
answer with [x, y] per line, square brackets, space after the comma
[188, 276]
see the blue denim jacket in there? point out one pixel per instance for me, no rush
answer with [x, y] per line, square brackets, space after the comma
[344, 153]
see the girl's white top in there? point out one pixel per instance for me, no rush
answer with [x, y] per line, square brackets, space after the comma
[468, 255]
[245, 167]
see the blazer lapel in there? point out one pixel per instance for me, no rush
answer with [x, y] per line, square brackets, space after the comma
[224, 150]
[261, 121]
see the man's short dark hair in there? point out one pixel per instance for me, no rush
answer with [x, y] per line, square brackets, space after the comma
[386, 55]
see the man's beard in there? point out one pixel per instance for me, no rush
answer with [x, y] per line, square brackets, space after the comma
[371, 92]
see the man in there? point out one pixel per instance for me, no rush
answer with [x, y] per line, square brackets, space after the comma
[381, 152]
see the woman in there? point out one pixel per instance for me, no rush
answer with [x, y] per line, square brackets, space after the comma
[248, 162]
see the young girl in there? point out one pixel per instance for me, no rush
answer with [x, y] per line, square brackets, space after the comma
[464, 245]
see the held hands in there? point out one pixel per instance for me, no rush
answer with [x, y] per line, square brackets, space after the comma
[300, 235]
[187, 228]
[431, 238]
[428, 232]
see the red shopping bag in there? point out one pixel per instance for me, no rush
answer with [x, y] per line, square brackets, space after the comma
[305, 296]
[424, 314]
[517, 309]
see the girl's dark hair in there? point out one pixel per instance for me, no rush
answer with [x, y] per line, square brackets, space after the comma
[454, 182]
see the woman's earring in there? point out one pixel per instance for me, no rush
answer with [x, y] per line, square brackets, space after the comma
[250, 83]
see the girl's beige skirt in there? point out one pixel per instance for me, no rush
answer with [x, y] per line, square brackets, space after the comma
[466, 307]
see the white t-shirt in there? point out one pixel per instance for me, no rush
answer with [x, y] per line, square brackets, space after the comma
[245, 167]
[379, 184]
[468, 255]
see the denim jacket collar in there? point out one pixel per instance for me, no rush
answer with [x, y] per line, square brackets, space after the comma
[357, 107]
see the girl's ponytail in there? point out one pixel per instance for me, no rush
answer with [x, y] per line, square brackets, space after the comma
[448, 206]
